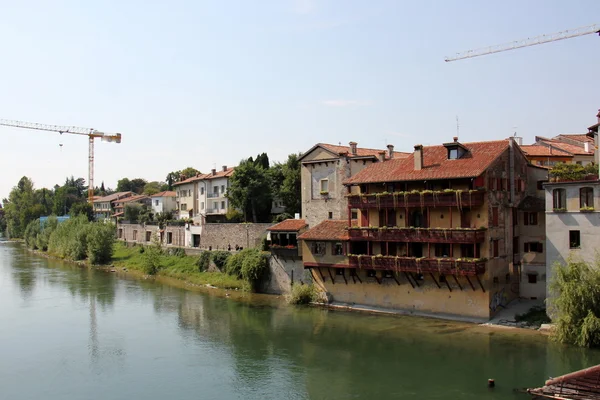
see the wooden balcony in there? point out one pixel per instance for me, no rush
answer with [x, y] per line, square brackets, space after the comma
[446, 266]
[423, 235]
[285, 251]
[422, 199]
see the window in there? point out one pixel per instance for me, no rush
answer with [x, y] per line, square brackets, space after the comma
[330, 215]
[495, 248]
[494, 216]
[371, 273]
[318, 248]
[530, 218]
[559, 199]
[156, 203]
[531, 278]
[201, 190]
[354, 214]
[586, 197]
[148, 236]
[515, 217]
[453, 154]
[442, 250]
[202, 205]
[574, 239]
[324, 186]
[222, 188]
[169, 237]
[216, 190]
[216, 205]
[222, 205]
[578, 162]
[183, 207]
[135, 235]
[338, 249]
[533, 247]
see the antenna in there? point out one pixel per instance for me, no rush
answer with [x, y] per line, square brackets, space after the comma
[457, 127]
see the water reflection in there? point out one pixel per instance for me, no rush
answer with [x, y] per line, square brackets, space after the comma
[134, 329]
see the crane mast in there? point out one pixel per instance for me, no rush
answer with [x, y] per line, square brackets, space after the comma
[73, 130]
[553, 37]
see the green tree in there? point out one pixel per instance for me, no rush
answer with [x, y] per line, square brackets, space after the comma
[250, 191]
[178, 176]
[290, 187]
[82, 208]
[132, 212]
[153, 187]
[21, 208]
[575, 303]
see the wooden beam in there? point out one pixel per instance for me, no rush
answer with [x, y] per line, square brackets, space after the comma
[409, 281]
[344, 276]
[331, 276]
[357, 277]
[394, 276]
[447, 284]
[480, 284]
[353, 280]
[457, 282]
[470, 283]
[415, 279]
[321, 273]
[436, 282]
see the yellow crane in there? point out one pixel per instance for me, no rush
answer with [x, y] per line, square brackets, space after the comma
[91, 133]
[553, 37]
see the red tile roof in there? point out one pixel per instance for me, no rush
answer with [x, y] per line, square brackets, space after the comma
[137, 197]
[330, 229]
[580, 137]
[436, 164]
[545, 151]
[569, 148]
[166, 193]
[289, 225]
[360, 151]
[112, 197]
[199, 177]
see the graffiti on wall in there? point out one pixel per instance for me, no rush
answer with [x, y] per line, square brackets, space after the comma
[498, 299]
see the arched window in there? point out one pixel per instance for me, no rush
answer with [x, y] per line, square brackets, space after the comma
[559, 199]
[586, 197]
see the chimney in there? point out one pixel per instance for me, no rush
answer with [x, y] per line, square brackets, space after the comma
[586, 147]
[353, 148]
[519, 140]
[418, 156]
[382, 156]
[224, 168]
[455, 139]
[390, 151]
[213, 171]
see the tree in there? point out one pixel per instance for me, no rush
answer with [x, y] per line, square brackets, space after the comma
[250, 191]
[134, 185]
[181, 175]
[21, 209]
[286, 183]
[574, 303]
[151, 188]
[82, 208]
[262, 160]
[132, 212]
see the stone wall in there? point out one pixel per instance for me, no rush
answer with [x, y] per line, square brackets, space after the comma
[285, 271]
[138, 233]
[221, 236]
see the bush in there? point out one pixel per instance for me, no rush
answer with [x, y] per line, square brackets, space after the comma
[233, 266]
[151, 260]
[255, 267]
[177, 252]
[302, 294]
[574, 303]
[32, 231]
[204, 261]
[48, 229]
[100, 241]
[69, 240]
[220, 258]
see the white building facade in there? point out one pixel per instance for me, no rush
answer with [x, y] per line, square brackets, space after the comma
[212, 190]
[164, 202]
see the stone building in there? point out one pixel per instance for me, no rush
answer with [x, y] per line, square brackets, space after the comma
[324, 168]
[433, 232]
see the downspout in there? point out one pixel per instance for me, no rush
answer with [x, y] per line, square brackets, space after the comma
[511, 230]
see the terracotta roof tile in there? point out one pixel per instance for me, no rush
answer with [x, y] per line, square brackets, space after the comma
[330, 229]
[436, 164]
[166, 193]
[569, 148]
[113, 197]
[580, 137]
[136, 197]
[360, 151]
[538, 150]
[218, 174]
[289, 225]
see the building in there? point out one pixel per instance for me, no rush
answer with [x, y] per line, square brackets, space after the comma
[119, 204]
[546, 156]
[187, 197]
[433, 232]
[212, 194]
[579, 146]
[285, 263]
[103, 206]
[324, 168]
[164, 202]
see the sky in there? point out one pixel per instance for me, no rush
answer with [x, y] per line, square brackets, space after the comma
[208, 83]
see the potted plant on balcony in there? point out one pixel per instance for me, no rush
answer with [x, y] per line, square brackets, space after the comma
[587, 209]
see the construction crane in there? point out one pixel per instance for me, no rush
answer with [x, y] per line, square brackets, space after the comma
[571, 33]
[73, 130]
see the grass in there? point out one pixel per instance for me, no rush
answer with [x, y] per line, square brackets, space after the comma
[535, 316]
[184, 268]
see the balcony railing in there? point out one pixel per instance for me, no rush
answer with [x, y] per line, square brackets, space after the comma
[213, 195]
[284, 251]
[467, 198]
[447, 266]
[423, 235]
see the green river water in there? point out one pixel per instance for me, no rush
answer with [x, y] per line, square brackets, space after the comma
[72, 333]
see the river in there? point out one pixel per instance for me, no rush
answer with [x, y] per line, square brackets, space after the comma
[72, 333]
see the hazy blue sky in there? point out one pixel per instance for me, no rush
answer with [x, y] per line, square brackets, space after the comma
[204, 83]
